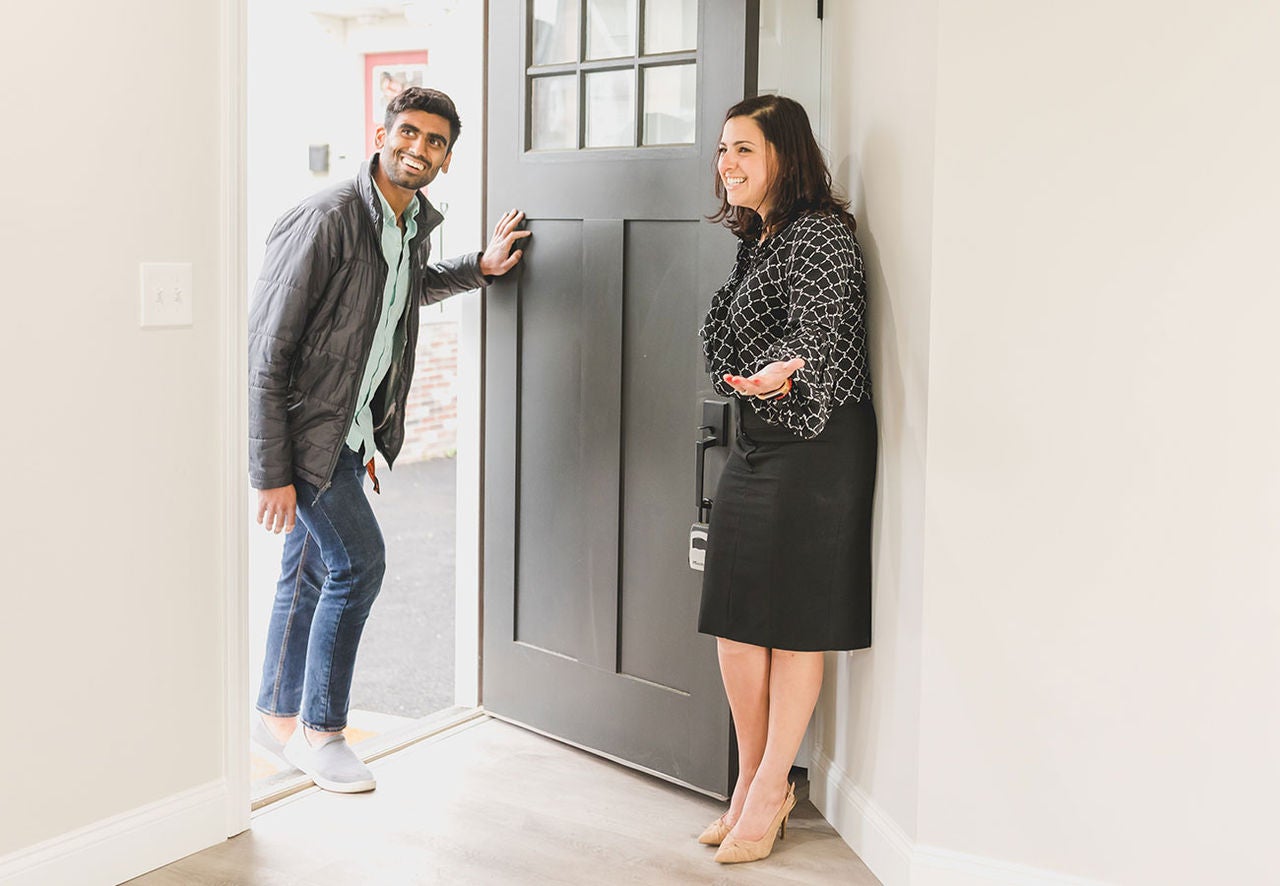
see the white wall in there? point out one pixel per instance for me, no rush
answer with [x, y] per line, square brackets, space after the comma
[111, 643]
[882, 61]
[304, 88]
[1100, 550]
[1103, 519]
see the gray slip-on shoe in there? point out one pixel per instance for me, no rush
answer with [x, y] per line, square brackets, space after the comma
[331, 764]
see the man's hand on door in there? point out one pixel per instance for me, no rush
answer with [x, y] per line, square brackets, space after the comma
[498, 256]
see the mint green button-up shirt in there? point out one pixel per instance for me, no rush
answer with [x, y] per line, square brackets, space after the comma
[395, 295]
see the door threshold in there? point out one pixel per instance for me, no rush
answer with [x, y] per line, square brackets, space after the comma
[621, 762]
[433, 726]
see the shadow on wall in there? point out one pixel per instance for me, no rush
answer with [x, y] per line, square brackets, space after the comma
[882, 234]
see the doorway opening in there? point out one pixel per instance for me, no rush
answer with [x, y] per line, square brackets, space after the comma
[319, 73]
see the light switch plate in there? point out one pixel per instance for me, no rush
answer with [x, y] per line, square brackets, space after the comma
[166, 294]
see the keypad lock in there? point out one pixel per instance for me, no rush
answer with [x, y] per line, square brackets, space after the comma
[697, 546]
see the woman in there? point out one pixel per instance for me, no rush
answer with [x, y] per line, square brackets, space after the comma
[788, 563]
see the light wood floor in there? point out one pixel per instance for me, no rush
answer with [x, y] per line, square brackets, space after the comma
[494, 804]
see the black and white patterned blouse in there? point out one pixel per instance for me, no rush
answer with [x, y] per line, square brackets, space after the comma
[800, 293]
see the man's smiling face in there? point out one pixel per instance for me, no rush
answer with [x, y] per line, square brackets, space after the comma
[415, 149]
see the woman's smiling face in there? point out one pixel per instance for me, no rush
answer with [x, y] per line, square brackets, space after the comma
[745, 164]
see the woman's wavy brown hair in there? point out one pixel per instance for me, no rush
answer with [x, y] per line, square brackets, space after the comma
[801, 181]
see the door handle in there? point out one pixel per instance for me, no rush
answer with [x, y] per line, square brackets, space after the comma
[714, 431]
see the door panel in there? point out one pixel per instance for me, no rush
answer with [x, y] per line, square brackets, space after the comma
[570, 328]
[594, 384]
[663, 354]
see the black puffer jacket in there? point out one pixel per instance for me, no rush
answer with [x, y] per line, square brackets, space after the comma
[311, 329]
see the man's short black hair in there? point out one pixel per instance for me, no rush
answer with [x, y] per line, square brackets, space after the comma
[433, 101]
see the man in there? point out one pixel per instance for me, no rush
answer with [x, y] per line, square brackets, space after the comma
[332, 333]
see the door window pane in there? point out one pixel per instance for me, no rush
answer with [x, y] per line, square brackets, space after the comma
[555, 31]
[611, 28]
[670, 96]
[611, 109]
[554, 118]
[670, 26]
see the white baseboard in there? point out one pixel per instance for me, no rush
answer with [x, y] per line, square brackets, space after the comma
[892, 856]
[879, 841]
[932, 866]
[124, 846]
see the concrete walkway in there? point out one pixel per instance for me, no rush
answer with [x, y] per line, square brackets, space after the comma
[406, 656]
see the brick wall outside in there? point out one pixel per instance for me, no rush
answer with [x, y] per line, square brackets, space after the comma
[431, 418]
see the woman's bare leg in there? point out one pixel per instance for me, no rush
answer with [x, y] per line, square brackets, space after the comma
[794, 681]
[745, 671]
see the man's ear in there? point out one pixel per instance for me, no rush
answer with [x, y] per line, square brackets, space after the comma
[448, 158]
[380, 137]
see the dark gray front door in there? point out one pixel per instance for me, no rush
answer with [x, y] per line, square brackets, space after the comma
[603, 118]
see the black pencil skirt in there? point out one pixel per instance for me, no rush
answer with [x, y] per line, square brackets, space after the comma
[788, 562]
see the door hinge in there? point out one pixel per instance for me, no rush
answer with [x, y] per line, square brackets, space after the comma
[819, 10]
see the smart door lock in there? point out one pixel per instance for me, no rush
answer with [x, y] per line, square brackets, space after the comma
[714, 431]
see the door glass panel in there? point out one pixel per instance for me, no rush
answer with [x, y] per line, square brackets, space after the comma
[611, 28]
[554, 118]
[670, 26]
[555, 31]
[670, 100]
[611, 109]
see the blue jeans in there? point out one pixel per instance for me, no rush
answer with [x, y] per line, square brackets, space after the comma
[330, 573]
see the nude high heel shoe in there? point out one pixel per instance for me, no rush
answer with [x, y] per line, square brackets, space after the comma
[734, 851]
[715, 833]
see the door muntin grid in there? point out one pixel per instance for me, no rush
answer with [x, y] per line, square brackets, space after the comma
[610, 74]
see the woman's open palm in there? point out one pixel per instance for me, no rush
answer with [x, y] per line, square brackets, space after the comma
[767, 380]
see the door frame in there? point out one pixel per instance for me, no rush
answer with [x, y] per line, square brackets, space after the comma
[233, 318]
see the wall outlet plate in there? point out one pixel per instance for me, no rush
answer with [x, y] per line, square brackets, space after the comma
[166, 294]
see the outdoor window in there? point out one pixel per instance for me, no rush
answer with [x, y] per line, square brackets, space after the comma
[611, 73]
